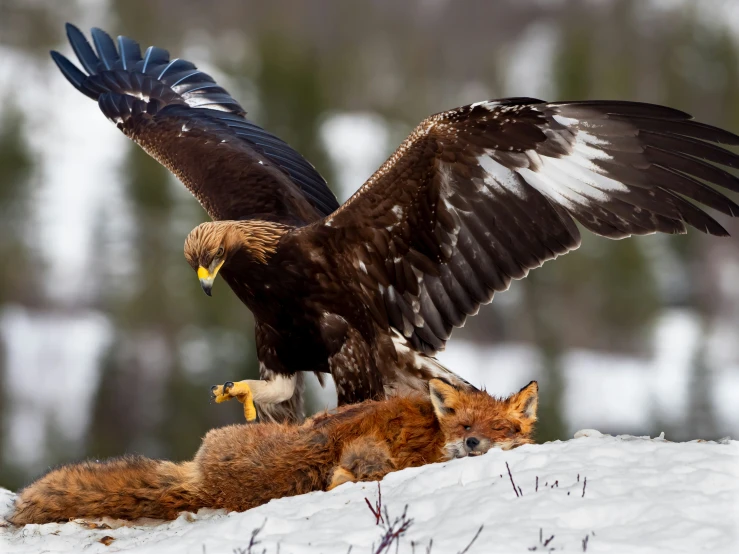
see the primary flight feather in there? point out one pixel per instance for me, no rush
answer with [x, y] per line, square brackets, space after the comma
[475, 197]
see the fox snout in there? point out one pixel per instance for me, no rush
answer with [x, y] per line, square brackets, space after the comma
[469, 446]
[476, 446]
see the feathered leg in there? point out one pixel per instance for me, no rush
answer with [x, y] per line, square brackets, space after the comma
[279, 399]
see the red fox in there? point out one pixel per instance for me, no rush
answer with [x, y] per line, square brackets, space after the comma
[242, 466]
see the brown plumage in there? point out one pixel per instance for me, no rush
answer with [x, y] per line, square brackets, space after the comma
[242, 466]
[474, 198]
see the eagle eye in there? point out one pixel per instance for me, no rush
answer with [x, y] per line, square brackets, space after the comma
[220, 252]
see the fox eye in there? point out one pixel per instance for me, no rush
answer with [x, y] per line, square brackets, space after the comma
[467, 427]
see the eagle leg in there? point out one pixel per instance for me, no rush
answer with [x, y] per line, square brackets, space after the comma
[263, 392]
[241, 391]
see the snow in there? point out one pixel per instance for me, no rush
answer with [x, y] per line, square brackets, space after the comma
[622, 494]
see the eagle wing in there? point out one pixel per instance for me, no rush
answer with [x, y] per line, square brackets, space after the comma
[479, 195]
[182, 118]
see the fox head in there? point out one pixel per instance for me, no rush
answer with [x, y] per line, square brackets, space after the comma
[473, 422]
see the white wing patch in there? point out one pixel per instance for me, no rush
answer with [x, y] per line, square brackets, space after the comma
[570, 181]
[499, 175]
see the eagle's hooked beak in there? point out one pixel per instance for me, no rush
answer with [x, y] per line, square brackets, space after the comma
[207, 276]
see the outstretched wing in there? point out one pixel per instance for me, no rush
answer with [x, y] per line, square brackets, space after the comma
[479, 195]
[181, 117]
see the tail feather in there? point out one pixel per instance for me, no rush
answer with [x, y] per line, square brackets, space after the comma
[130, 487]
[418, 369]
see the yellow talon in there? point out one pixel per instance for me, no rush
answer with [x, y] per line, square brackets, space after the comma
[239, 390]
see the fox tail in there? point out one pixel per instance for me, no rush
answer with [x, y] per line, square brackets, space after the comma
[129, 487]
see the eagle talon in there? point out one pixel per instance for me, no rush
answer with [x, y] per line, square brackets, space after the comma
[218, 394]
[241, 391]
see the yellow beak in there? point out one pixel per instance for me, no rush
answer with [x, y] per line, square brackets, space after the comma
[207, 276]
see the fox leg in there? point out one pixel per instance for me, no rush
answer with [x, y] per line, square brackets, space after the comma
[364, 459]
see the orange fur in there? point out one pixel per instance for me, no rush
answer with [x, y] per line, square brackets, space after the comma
[242, 466]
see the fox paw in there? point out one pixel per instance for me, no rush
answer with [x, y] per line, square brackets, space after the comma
[341, 476]
[241, 392]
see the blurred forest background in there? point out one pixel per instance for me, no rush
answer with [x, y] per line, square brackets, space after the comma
[107, 343]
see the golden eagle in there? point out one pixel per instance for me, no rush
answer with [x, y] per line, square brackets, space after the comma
[475, 197]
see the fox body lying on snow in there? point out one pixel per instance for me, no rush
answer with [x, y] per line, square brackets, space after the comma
[242, 466]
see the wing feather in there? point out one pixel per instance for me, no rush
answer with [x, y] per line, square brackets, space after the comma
[479, 195]
[189, 123]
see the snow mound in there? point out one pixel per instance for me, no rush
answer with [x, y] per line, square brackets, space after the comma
[596, 492]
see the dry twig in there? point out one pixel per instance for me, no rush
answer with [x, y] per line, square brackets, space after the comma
[253, 541]
[394, 530]
[377, 510]
[512, 483]
[466, 548]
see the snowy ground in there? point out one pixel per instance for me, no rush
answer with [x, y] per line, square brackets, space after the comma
[620, 494]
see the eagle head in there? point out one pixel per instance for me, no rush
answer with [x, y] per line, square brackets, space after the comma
[211, 245]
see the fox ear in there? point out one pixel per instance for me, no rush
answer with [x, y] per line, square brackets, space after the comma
[444, 397]
[526, 401]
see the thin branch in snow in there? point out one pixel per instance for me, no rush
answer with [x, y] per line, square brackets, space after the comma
[537, 484]
[578, 477]
[394, 530]
[512, 483]
[585, 543]
[584, 484]
[377, 510]
[466, 548]
[428, 546]
[543, 542]
[253, 541]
